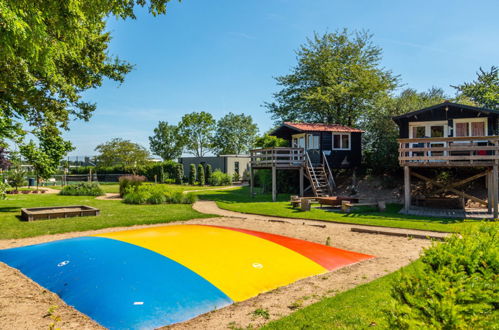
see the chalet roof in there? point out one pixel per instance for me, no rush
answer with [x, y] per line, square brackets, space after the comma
[446, 104]
[319, 127]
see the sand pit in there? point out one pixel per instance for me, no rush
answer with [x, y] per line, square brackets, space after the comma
[391, 253]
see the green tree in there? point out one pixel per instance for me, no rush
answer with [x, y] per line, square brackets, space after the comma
[201, 176]
[484, 91]
[338, 78]
[380, 145]
[235, 134]
[270, 141]
[196, 130]
[192, 174]
[131, 156]
[179, 174]
[51, 52]
[48, 154]
[166, 141]
[208, 170]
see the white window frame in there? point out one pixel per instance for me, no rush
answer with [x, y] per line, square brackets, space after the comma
[341, 141]
[310, 143]
[469, 121]
[296, 138]
[427, 125]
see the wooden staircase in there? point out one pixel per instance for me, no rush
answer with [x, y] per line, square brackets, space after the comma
[320, 177]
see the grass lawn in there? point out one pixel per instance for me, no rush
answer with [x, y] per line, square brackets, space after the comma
[359, 308]
[113, 214]
[238, 199]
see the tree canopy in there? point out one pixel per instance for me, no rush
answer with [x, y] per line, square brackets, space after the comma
[196, 130]
[122, 152]
[270, 141]
[235, 134]
[51, 52]
[484, 91]
[166, 141]
[337, 79]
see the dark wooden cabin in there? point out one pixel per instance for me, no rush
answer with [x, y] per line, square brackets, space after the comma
[314, 150]
[451, 135]
[342, 145]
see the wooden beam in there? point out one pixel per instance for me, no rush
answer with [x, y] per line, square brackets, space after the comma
[301, 181]
[252, 180]
[460, 183]
[490, 196]
[407, 188]
[495, 181]
[274, 184]
[455, 191]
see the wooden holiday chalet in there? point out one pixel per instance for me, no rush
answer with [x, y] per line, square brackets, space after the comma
[451, 135]
[315, 150]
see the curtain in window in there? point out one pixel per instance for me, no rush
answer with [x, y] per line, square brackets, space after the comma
[462, 129]
[478, 128]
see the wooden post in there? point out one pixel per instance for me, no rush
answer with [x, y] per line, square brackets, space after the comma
[251, 178]
[301, 181]
[407, 188]
[490, 193]
[274, 183]
[495, 185]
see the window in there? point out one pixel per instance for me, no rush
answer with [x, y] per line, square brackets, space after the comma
[437, 131]
[341, 141]
[470, 127]
[418, 132]
[462, 129]
[313, 141]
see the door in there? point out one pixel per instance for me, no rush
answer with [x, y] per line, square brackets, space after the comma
[312, 147]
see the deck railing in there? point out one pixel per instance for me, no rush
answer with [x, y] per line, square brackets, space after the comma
[453, 151]
[279, 157]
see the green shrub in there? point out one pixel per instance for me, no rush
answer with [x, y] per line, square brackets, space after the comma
[82, 189]
[236, 177]
[453, 286]
[130, 182]
[156, 198]
[192, 174]
[136, 197]
[179, 174]
[207, 172]
[174, 197]
[201, 180]
[156, 194]
[189, 198]
[3, 190]
[218, 178]
[17, 177]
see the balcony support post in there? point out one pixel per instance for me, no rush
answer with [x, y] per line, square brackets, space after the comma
[407, 188]
[251, 179]
[301, 181]
[274, 183]
[490, 192]
[495, 185]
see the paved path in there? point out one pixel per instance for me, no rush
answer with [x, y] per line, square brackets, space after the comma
[210, 207]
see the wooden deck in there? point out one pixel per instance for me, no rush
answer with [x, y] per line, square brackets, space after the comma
[280, 157]
[476, 151]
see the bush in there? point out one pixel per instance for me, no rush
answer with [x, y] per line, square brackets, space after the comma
[454, 286]
[192, 174]
[236, 177]
[156, 194]
[82, 189]
[130, 182]
[3, 190]
[136, 197]
[207, 172]
[179, 174]
[17, 177]
[201, 180]
[218, 178]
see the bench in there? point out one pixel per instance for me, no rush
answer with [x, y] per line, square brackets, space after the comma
[347, 206]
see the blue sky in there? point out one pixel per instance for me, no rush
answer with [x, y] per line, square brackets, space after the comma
[221, 56]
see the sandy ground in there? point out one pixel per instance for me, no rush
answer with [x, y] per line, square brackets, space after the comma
[24, 304]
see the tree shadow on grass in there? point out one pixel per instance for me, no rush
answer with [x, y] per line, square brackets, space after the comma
[9, 209]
